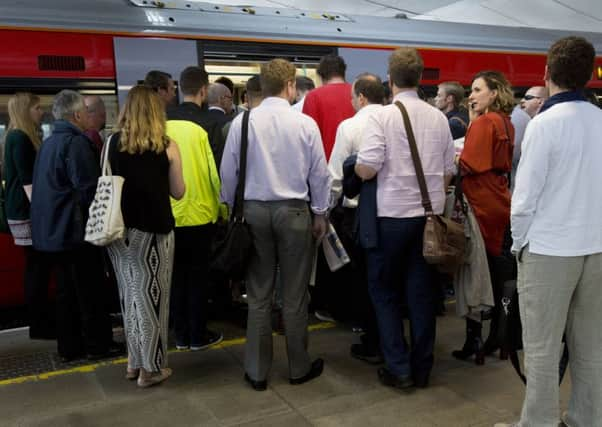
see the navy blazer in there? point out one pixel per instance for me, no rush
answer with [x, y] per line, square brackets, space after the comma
[65, 175]
[366, 226]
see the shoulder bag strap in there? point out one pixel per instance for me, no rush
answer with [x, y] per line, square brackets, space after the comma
[426, 200]
[509, 174]
[458, 119]
[105, 163]
[242, 169]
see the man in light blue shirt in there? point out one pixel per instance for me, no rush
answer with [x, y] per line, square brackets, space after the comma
[286, 181]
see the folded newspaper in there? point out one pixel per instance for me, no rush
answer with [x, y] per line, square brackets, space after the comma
[335, 253]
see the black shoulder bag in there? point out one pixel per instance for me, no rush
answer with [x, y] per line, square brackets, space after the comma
[510, 332]
[233, 246]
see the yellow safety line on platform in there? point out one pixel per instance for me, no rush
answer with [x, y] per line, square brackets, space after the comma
[94, 366]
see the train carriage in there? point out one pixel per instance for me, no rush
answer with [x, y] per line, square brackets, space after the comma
[106, 46]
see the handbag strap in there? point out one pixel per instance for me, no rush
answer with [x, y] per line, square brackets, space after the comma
[242, 169]
[508, 175]
[426, 200]
[104, 158]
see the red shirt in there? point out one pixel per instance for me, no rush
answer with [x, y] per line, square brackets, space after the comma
[485, 162]
[329, 105]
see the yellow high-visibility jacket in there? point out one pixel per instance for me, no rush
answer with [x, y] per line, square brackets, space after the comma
[200, 204]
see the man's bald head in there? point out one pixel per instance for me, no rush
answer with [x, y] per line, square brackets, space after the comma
[533, 100]
[97, 115]
[219, 95]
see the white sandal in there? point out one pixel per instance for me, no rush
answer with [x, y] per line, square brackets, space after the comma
[155, 378]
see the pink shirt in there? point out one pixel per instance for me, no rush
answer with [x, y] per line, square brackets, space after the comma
[386, 150]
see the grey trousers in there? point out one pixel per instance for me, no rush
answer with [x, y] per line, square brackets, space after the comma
[558, 294]
[281, 234]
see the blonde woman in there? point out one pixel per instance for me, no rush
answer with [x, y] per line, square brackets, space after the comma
[151, 165]
[21, 146]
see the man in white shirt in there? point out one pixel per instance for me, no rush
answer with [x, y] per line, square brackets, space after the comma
[366, 98]
[286, 178]
[385, 153]
[367, 95]
[557, 233]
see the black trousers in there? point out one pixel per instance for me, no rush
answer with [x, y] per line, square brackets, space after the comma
[345, 292]
[83, 322]
[189, 289]
[40, 308]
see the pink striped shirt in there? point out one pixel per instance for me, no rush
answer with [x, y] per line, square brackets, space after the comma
[386, 150]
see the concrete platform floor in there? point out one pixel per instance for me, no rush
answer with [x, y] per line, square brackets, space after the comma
[207, 389]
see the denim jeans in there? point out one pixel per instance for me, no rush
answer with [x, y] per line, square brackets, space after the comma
[397, 268]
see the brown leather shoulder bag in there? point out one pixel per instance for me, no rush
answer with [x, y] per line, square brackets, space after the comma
[444, 240]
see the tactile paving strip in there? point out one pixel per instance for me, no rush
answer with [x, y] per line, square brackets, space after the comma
[20, 365]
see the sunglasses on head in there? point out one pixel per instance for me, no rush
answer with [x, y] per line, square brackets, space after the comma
[530, 97]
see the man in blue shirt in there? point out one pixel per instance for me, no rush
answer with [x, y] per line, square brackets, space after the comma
[64, 182]
[286, 178]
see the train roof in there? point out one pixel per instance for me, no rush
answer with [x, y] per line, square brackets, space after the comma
[180, 18]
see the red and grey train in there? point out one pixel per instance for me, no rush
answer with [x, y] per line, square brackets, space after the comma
[106, 46]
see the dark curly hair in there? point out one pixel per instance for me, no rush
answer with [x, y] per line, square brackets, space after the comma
[571, 62]
[331, 66]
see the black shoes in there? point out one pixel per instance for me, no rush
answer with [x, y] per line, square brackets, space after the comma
[366, 354]
[473, 345]
[315, 371]
[401, 382]
[324, 316]
[257, 385]
[209, 338]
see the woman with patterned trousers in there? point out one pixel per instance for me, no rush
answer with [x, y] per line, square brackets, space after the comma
[22, 143]
[143, 260]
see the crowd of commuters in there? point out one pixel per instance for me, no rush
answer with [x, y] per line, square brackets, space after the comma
[340, 156]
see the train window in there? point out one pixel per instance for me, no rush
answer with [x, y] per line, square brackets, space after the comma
[110, 102]
[46, 104]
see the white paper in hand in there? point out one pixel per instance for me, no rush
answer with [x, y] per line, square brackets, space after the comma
[335, 253]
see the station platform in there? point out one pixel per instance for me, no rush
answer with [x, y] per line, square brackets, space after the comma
[207, 388]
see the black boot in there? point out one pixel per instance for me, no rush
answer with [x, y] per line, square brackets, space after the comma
[491, 343]
[473, 343]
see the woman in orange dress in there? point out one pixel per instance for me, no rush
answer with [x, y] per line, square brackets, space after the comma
[485, 165]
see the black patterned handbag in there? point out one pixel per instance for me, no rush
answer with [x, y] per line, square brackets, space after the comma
[233, 243]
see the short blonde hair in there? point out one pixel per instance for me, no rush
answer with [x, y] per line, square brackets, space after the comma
[142, 122]
[20, 118]
[405, 67]
[495, 80]
[274, 76]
